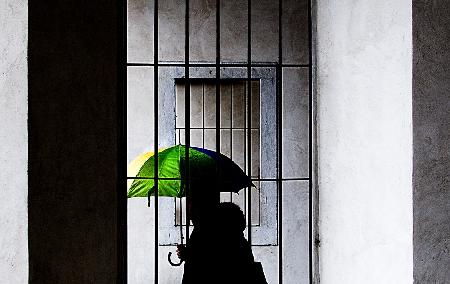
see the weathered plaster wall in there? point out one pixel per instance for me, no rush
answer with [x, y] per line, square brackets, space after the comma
[431, 119]
[13, 142]
[365, 141]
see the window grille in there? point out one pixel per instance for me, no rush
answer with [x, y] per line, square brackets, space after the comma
[218, 73]
[233, 131]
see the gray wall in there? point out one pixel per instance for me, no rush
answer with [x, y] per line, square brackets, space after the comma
[364, 94]
[431, 119]
[13, 142]
[73, 129]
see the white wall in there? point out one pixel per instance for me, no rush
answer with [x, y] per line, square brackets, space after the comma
[364, 57]
[13, 141]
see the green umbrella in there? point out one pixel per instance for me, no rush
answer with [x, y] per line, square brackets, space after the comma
[206, 167]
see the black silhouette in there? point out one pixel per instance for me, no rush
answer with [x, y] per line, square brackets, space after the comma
[217, 251]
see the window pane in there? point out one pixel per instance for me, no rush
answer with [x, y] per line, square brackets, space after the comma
[255, 104]
[225, 105]
[210, 105]
[255, 153]
[210, 139]
[225, 143]
[180, 105]
[255, 203]
[238, 146]
[196, 101]
[238, 105]
[196, 138]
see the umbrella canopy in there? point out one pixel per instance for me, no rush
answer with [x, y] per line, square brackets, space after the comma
[206, 167]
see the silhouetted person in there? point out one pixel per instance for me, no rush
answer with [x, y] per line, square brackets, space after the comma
[234, 254]
[199, 251]
[224, 255]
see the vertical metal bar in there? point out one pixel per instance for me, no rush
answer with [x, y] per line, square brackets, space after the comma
[181, 220]
[122, 145]
[218, 127]
[187, 115]
[310, 142]
[245, 146]
[249, 140]
[203, 115]
[156, 110]
[231, 129]
[280, 140]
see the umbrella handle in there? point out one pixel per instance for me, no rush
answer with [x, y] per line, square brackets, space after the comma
[170, 260]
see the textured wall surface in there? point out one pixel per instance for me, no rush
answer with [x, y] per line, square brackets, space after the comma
[13, 142]
[73, 141]
[365, 141]
[431, 115]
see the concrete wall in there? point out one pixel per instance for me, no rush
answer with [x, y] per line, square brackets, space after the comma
[13, 141]
[431, 118]
[364, 110]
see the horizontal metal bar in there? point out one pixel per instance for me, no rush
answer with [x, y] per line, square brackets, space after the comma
[215, 128]
[131, 64]
[252, 179]
[214, 80]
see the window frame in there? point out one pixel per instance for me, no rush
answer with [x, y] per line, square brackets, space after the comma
[267, 231]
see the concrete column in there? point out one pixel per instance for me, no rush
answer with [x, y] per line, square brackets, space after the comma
[73, 141]
[364, 63]
[431, 114]
[13, 142]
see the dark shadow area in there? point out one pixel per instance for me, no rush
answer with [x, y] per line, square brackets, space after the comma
[74, 82]
[217, 251]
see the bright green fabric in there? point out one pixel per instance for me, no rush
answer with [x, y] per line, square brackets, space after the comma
[171, 163]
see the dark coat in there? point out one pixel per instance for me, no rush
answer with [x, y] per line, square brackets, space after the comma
[226, 258]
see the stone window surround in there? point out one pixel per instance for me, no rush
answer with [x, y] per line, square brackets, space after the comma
[266, 233]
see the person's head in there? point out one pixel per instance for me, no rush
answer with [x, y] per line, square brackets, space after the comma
[202, 201]
[231, 217]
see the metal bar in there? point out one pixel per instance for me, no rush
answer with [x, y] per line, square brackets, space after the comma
[280, 141]
[156, 110]
[245, 146]
[187, 115]
[249, 140]
[217, 66]
[212, 80]
[203, 115]
[252, 179]
[254, 64]
[181, 220]
[122, 145]
[310, 142]
[231, 130]
[225, 128]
